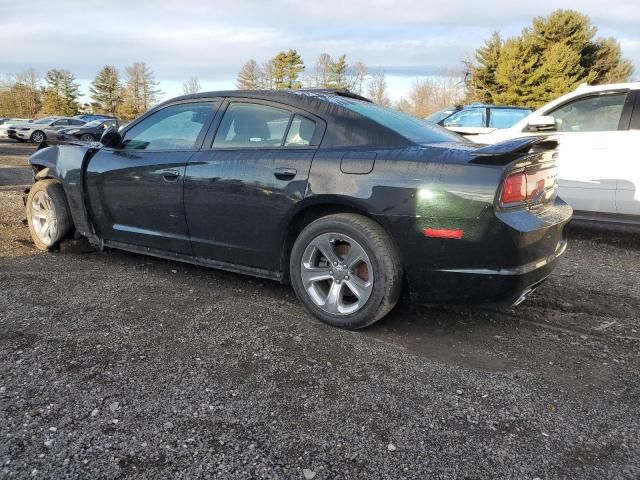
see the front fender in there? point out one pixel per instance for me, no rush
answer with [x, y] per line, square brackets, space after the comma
[66, 163]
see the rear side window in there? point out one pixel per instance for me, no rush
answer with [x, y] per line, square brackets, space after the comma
[412, 128]
[473, 117]
[300, 132]
[173, 128]
[599, 113]
[252, 125]
[506, 117]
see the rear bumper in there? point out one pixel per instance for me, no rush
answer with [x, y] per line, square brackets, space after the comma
[512, 254]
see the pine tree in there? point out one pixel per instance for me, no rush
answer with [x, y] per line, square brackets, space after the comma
[547, 60]
[250, 76]
[287, 67]
[338, 77]
[140, 92]
[106, 90]
[61, 93]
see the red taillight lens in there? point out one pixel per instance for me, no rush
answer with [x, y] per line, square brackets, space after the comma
[515, 189]
[520, 187]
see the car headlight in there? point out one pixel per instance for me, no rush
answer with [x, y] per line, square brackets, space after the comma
[73, 130]
[24, 129]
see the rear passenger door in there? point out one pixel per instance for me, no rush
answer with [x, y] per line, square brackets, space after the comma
[628, 191]
[242, 186]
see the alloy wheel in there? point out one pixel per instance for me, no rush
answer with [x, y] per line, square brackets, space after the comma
[336, 273]
[43, 218]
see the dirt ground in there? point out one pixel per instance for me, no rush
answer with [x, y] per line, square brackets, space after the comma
[115, 365]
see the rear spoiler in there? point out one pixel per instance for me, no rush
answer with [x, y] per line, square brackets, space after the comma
[505, 152]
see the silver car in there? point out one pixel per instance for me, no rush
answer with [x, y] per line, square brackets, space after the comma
[35, 131]
[6, 123]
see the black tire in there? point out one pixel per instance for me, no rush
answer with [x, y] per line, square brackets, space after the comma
[87, 137]
[383, 257]
[38, 137]
[59, 211]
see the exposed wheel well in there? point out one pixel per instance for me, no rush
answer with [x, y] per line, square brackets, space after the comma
[304, 218]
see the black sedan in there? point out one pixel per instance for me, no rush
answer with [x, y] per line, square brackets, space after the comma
[349, 201]
[89, 132]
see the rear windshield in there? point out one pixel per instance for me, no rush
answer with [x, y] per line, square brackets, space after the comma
[412, 128]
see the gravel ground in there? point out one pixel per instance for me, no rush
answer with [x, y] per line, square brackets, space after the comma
[115, 365]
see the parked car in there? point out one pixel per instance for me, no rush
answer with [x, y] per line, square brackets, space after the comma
[441, 115]
[91, 117]
[598, 128]
[35, 131]
[342, 197]
[89, 132]
[6, 123]
[479, 118]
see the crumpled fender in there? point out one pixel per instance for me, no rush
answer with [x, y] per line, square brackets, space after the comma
[66, 163]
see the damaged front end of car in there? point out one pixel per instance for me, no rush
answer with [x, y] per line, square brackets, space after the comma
[66, 164]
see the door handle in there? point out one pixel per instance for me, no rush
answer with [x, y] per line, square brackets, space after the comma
[170, 175]
[285, 173]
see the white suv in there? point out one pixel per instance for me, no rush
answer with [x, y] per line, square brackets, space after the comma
[598, 128]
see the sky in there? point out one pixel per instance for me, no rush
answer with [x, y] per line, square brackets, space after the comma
[211, 39]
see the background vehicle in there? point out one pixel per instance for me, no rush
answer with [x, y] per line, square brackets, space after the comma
[5, 123]
[90, 117]
[89, 132]
[35, 131]
[598, 128]
[440, 115]
[479, 118]
[344, 198]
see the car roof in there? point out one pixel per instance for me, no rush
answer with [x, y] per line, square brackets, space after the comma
[488, 105]
[585, 88]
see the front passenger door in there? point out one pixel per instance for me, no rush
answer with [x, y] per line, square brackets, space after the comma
[136, 191]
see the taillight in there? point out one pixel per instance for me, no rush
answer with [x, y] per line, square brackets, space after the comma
[522, 187]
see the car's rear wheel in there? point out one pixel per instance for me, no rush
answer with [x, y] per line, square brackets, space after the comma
[48, 215]
[346, 270]
[87, 137]
[38, 137]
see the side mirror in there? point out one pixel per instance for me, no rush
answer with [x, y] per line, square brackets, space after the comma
[541, 123]
[111, 138]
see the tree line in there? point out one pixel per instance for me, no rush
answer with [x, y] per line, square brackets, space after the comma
[26, 95]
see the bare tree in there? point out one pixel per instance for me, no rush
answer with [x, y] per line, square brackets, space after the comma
[378, 90]
[251, 76]
[434, 93]
[140, 91]
[356, 77]
[191, 86]
[322, 73]
[20, 95]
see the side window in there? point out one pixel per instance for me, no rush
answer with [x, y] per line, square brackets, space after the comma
[506, 117]
[591, 114]
[59, 123]
[251, 125]
[474, 117]
[300, 132]
[76, 122]
[172, 128]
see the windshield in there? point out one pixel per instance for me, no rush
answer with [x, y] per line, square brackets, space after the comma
[95, 123]
[44, 121]
[412, 128]
[440, 115]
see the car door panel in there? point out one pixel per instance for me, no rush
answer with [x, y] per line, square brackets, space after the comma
[133, 200]
[136, 191]
[628, 188]
[237, 202]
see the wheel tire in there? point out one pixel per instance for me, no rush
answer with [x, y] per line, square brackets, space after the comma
[87, 137]
[38, 137]
[50, 194]
[381, 254]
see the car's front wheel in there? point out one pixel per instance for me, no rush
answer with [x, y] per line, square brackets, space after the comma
[87, 137]
[38, 137]
[48, 215]
[346, 270]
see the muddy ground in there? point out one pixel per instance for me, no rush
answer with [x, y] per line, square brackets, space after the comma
[115, 365]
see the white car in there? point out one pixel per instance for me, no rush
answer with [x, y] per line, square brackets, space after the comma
[598, 128]
[5, 123]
